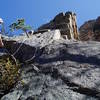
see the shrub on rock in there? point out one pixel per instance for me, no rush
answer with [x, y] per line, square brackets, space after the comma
[9, 72]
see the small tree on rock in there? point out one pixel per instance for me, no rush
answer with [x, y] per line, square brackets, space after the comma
[20, 24]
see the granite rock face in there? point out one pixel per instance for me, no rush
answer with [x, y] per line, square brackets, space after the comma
[54, 68]
[65, 22]
[60, 70]
[90, 30]
[19, 46]
[96, 30]
[86, 30]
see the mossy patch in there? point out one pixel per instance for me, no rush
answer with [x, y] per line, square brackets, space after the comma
[9, 72]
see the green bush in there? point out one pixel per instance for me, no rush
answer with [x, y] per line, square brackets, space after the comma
[9, 72]
[20, 25]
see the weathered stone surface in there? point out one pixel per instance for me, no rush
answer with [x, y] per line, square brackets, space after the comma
[96, 30]
[86, 30]
[66, 22]
[90, 30]
[61, 70]
[19, 46]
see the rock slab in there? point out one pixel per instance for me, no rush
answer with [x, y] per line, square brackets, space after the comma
[61, 70]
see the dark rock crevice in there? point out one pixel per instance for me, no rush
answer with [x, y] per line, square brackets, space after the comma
[71, 57]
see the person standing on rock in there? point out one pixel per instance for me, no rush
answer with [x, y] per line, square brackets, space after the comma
[1, 43]
[1, 24]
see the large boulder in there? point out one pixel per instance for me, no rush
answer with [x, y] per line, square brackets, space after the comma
[60, 70]
[20, 46]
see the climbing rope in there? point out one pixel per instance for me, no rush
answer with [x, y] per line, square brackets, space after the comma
[26, 61]
[18, 48]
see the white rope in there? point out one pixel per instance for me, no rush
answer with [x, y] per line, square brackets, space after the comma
[31, 57]
[18, 48]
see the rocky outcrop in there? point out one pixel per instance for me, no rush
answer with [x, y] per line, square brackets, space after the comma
[37, 41]
[60, 70]
[90, 30]
[96, 30]
[86, 30]
[65, 22]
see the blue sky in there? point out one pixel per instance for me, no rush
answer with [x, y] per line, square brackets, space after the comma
[37, 12]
